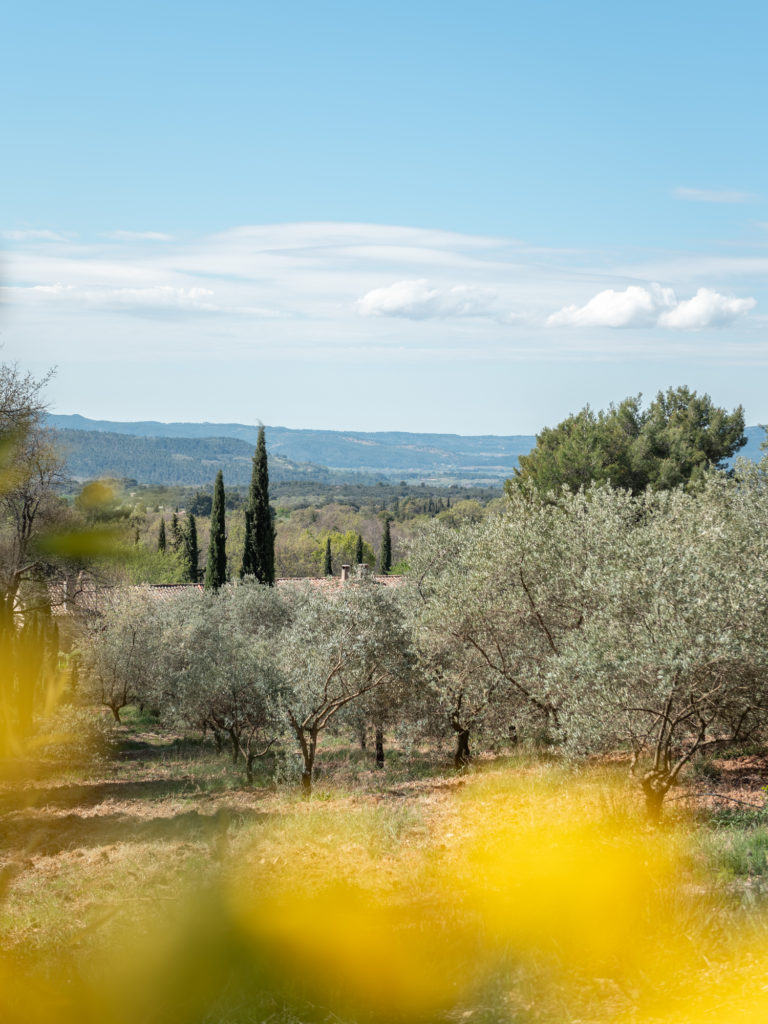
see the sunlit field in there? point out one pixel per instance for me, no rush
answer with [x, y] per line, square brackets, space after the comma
[151, 885]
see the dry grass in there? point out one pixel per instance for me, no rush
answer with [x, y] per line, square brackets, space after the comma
[156, 886]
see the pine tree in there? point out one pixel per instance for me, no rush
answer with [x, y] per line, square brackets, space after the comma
[327, 567]
[386, 549]
[216, 570]
[359, 550]
[161, 542]
[259, 546]
[190, 550]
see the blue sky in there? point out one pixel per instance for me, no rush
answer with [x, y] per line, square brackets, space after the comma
[470, 218]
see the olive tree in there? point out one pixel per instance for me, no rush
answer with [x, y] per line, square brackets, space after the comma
[218, 670]
[496, 600]
[340, 647]
[673, 653]
[387, 705]
[30, 469]
[120, 649]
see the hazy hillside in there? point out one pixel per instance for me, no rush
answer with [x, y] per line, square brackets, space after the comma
[383, 454]
[755, 437]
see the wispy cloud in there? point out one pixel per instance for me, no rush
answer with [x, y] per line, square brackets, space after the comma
[139, 236]
[709, 195]
[32, 235]
[650, 306]
[369, 291]
[418, 300]
[157, 298]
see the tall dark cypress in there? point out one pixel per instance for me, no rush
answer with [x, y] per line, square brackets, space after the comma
[259, 546]
[216, 569]
[359, 550]
[327, 566]
[177, 537]
[191, 553]
[161, 541]
[386, 549]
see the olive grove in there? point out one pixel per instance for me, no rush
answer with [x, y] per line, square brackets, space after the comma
[597, 621]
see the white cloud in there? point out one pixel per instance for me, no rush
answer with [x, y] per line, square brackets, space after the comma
[637, 306]
[139, 236]
[707, 195]
[706, 309]
[634, 307]
[417, 300]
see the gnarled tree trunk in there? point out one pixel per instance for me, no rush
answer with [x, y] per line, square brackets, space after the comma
[379, 747]
[655, 786]
[307, 738]
[463, 756]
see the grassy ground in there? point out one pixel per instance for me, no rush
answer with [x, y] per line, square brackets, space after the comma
[154, 885]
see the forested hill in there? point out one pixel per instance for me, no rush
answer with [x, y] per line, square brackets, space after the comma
[173, 460]
[393, 454]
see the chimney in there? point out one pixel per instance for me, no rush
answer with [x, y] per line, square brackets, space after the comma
[345, 573]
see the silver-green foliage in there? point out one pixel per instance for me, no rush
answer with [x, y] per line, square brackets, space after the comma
[218, 669]
[120, 650]
[341, 646]
[495, 602]
[673, 652]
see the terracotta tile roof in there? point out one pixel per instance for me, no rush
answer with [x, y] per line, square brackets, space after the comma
[334, 582]
[167, 591]
[91, 598]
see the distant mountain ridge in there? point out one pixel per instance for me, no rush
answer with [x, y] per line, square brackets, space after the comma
[190, 453]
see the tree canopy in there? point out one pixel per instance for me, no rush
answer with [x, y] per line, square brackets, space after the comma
[672, 442]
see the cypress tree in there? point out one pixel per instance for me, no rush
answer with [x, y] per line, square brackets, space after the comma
[190, 550]
[216, 570]
[327, 567]
[161, 542]
[177, 538]
[259, 546]
[359, 550]
[386, 549]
